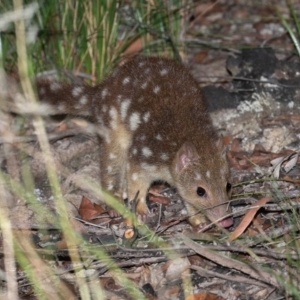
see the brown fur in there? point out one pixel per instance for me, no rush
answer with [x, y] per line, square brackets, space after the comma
[158, 129]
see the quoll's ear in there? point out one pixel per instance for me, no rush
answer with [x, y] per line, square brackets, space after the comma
[186, 155]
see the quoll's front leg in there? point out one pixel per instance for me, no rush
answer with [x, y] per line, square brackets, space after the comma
[138, 185]
[113, 174]
[196, 218]
[124, 184]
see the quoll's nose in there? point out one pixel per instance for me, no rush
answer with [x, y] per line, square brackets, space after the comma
[226, 222]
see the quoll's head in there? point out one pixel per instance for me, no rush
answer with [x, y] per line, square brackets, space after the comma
[203, 181]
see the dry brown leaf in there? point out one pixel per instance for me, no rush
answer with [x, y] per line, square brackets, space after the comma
[158, 198]
[227, 139]
[89, 210]
[287, 117]
[204, 296]
[248, 218]
[155, 196]
[197, 260]
[62, 126]
[259, 148]
[200, 56]
[134, 48]
[239, 160]
[236, 145]
[286, 162]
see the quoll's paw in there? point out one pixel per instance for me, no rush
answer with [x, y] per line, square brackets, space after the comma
[142, 210]
[226, 222]
[199, 222]
[113, 213]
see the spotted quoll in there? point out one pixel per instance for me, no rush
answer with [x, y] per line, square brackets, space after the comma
[158, 129]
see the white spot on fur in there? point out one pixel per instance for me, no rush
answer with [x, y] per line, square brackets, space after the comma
[142, 137]
[134, 151]
[104, 108]
[77, 91]
[124, 195]
[107, 137]
[119, 98]
[224, 170]
[99, 119]
[104, 93]
[146, 152]
[114, 115]
[158, 137]
[141, 64]
[109, 169]
[164, 156]
[198, 176]
[147, 71]
[43, 108]
[61, 107]
[147, 167]
[54, 86]
[83, 100]
[134, 121]
[78, 105]
[134, 176]
[112, 156]
[126, 80]
[42, 91]
[124, 108]
[208, 174]
[163, 72]
[156, 89]
[146, 117]
[144, 85]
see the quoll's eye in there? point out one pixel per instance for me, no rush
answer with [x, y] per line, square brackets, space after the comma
[228, 187]
[201, 191]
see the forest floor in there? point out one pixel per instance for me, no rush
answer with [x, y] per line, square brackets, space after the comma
[249, 70]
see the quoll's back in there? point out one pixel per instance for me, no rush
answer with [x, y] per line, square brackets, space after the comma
[157, 129]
